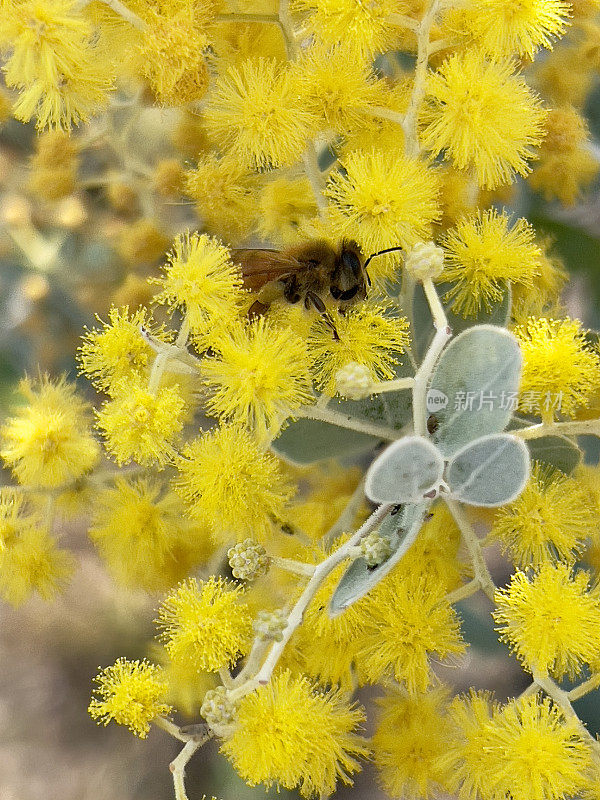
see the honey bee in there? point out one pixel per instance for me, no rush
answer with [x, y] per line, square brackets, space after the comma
[308, 272]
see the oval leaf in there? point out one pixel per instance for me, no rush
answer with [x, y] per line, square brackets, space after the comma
[402, 529]
[474, 387]
[490, 472]
[405, 471]
[308, 440]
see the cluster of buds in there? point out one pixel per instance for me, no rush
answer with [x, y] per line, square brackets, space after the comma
[248, 560]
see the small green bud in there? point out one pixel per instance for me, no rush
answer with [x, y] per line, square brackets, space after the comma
[353, 381]
[425, 260]
[217, 709]
[248, 560]
[375, 548]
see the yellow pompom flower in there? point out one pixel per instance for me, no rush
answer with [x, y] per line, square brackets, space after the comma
[407, 620]
[544, 294]
[254, 113]
[223, 194]
[259, 376]
[14, 517]
[412, 735]
[284, 206]
[561, 372]
[144, 535]
[139, 425]
[48, 442]
[366, 25]
[526, 750]
[485, 253]
[550, 619]
[273, 744]
[201, 279]
[31, 562]
[118, 350]
[205, 625]
[53, 167]
[380, 200]
[229, 483]
[366, 335]
[186, 686]
[551, 518]
[465, 117]
[515, 29]
[131, 693]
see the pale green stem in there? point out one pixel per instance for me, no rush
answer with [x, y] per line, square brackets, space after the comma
[482, 573]
[346, 421]
[561, 698]
[290, 565]
[296, 615]
[435, 304]
[585, 687]
[418, 92]
[462, 592]
[574, 428]
[381, 112]
[533, 688]
[170, 728]
[178, 765]
[422, 379]
[126, 13]
[184, 332]
[392, 386]
[253, 662]
[315, 178]
[402, 21]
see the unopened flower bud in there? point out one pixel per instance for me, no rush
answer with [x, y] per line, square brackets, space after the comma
[425, 260]
[375, 548]
[248, 560]
[353, 381]
[269, 625]
[217, 709]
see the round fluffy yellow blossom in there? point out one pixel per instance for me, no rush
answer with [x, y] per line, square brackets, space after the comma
[142, 242]
[144, 535]
[186, 686]
[171, 50]
[118, 350]
[485, 253]
[131, 693]
[408, 620]
[366, 335]
[272, 743]
[140, 425]
[459, 195]
[465, 118]
[229, 483]
[254, 113]
[561, 372]
[14, 517]
[411, 736]
[544, 293]
[259, 376]
[168, 177]
[526, 750]
[201, 279]
[53, 167]
[222, 190]
[338, 88]
[551, 518]
[380, 200]
[507, 29]
[205, 625]
[31, 562]
[235, 41]
[367, 25]
[550, 619]
[565, 176]
[48, 442]
[284, 206]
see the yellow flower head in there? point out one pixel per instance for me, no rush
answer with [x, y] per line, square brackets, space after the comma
[366, 335]
[382, 200]
[255, 114]
[201, 279]
[142, 242]
[560, 371]
[131, 693]
[146, 539]
[32, 562]
[48, 442]
[54, 165]
[564, 176]
[186, 686]
[139, 425]
[484, 254]
[205, 625]
[515, 29]
[259, 377]
[526, 750]
[409, 764]
[465, 116]
[222, 191]
[544, 294]
[283, 207]
[272, 742]
[550, 619]
[118, 350]
[552, 517]
[229, 483]
[14, 517]
[366, 25]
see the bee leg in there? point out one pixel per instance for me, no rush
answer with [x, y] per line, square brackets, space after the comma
[314, 300]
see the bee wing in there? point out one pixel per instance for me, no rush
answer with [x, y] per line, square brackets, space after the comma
[262, 266]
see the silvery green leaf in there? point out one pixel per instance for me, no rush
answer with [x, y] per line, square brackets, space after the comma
[555, 451]
[474, 386]
[307, 440]
[405, 471]
[490, 471]
[402, 529]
